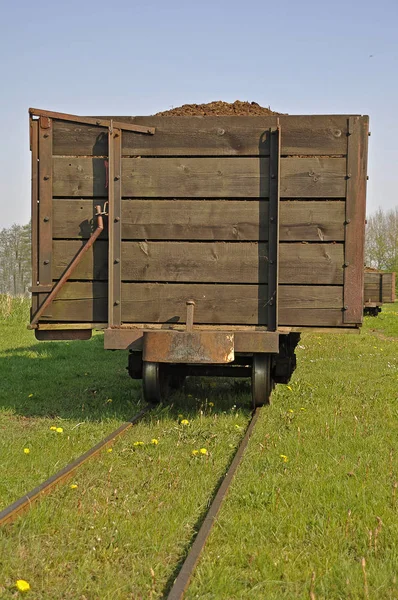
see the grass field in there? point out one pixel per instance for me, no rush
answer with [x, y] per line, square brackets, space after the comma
[313, 511]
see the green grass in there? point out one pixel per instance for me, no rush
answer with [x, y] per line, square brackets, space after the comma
[123, 531]
[387, 321]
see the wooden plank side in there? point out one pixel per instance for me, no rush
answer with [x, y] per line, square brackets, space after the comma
[201, 177]
[34, 147]
[45, 188]
[209, 136]
[224, 262]
[372, 287]
[216, 304]
[206, 220]
[354, 255]
[388, 287]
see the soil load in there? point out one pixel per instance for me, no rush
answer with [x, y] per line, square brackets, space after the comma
[218, 109]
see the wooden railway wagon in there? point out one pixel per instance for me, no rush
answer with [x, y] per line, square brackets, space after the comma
[203, 245]
[379, 288]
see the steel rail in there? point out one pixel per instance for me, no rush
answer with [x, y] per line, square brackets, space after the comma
[25, 502]
[184, 576]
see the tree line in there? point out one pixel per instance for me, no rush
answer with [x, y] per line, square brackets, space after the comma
[381, 250]
[15, 265]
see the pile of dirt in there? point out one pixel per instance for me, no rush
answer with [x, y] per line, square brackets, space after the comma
[218, 109]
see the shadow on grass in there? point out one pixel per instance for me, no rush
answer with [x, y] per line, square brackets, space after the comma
[80, 380]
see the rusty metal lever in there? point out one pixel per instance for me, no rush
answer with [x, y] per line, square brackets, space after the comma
[190, 309]
[71, 268]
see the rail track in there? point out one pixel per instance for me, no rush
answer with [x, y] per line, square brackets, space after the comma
[11, 512]
[180, 585]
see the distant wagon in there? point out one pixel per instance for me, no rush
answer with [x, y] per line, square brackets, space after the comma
[379, 289]
[203, 245]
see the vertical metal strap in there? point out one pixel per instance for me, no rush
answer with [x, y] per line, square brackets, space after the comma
[34, 147]
[114, 226]
[354, 242]
[45, 199]
[273, 227]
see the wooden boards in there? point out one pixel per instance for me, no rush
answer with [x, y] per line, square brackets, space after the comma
[221, 304]
[379, 287]
[210, 136]
[239, 220]
[220, 262]
[240, 177]
[194, 219]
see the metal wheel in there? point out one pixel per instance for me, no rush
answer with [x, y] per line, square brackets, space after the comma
[154, 382]
[262, 384]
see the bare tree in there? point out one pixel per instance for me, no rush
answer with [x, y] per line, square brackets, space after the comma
[381, 250]
[15, 267]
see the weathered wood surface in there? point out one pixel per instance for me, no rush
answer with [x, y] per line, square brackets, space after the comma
[354, 246]
[379, 287]
[201, 177]
[209, 136]
[216, 304]
[205, 220]
[224, 262]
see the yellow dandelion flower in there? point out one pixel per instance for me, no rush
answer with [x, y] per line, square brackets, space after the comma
[291, 410]
[138, 444]
[203, 451]
[284, 458]
[289, 387]
[53, 428]
[109, 400]
[195, 452]
[30, 396]
[154, 441]
[185, 422]
[211, 404]
[73, 486]
[22, 585]
[110, 450]
[26, 450]
[302, 408]
[59, 430]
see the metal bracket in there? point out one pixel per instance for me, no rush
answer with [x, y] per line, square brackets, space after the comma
[168, 346]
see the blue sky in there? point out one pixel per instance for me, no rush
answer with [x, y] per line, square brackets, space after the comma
[95, 57]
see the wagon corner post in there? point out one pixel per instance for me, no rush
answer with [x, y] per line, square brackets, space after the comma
[273, 226]
[355, 214]
[42, 208]
[115, 237]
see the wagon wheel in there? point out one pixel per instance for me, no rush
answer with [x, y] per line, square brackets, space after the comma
[155, 382]
[262, 384]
